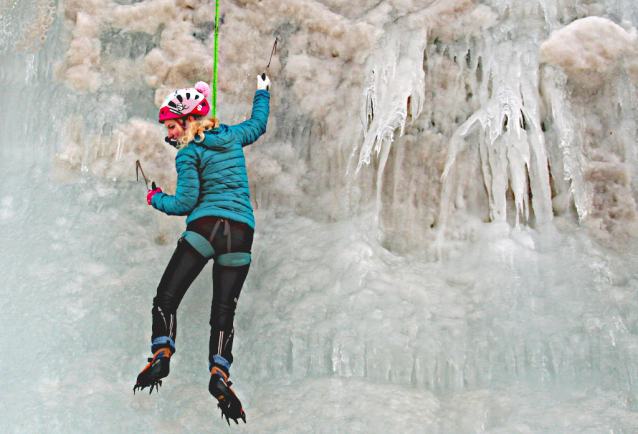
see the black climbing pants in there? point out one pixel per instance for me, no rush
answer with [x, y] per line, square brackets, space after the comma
[185, 266]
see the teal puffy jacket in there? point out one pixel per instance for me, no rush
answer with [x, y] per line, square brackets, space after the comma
[211, 174]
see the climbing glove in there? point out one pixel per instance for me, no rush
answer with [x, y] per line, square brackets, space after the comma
[151, 193]
[263, 82]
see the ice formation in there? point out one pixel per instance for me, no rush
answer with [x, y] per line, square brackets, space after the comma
[396, 91]
[445, 204]
[590, 87]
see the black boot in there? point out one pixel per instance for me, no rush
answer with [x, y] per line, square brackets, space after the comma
[229, 404]
[158, 368]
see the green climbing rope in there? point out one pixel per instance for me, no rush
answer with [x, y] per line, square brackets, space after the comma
[215, 62]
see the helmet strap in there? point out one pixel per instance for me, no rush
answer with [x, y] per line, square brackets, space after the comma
[173, 143]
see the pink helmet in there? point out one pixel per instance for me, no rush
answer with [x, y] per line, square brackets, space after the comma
[184, 102]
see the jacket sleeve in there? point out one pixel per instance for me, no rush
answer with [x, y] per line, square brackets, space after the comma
[249, 131]
[187, 192]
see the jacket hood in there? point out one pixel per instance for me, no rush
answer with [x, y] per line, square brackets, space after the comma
[218, 139]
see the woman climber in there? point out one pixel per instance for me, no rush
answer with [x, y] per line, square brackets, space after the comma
[212, 190]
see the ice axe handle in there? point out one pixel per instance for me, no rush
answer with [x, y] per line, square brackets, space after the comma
[153, 186]
[263, 75]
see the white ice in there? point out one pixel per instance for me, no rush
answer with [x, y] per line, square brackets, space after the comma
[384, 297]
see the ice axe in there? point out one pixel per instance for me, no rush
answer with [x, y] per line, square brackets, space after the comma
[138, 169]
[274, 50]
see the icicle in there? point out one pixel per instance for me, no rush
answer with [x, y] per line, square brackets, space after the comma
[511, 145]
[568, 140]
[396, 91]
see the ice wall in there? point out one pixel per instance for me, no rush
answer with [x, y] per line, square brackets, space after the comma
[502, 121]
[413, 63]
[590, 89]
[520, 319]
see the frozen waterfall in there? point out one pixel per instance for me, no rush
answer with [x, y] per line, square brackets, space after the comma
[445, 203]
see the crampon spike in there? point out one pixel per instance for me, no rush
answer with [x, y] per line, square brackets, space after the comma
[151, 376]
[228, 402]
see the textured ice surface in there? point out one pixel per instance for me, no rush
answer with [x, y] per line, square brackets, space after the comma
[527, 321]
[342, 336]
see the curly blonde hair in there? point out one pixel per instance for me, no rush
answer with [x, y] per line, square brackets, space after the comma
[195, 130]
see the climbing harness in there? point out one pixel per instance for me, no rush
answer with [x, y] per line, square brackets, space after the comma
[205, 248]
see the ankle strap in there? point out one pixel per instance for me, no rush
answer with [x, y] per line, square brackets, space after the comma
[220, 372]
[166, 352]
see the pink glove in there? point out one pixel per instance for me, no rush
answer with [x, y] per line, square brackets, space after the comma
[151, 193]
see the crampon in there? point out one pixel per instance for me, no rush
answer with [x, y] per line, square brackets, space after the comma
[158, 368]
[229, 404]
